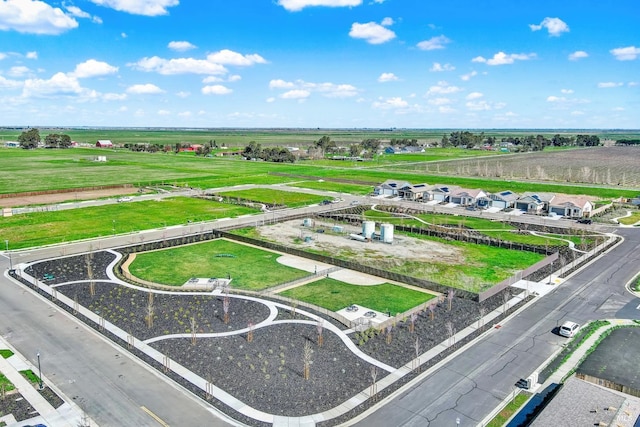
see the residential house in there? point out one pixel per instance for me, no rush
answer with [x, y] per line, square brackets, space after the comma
[466, 197]
[504, 199]
[571, 206]
[534, 203]
[414, 192]
[390, 187]
[441, 193]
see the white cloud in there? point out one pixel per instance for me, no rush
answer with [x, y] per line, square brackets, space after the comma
[297, 5]
[185, 114]
[93, 68]
[329, 90]
[79, 13]
[114, 96]
[474, 95]
[18, 71]
[216, 90]
[467, 77]
[628, 53]
[390, 103]
[178, 66]
[271, 99]
[234, 78]
[139, 7]
[387, 77]
[440, 101]
[555, 26]
[605, 85]
[387, 22]
[296, 94]
[437, 67]
[280, 84]
[31, 55]
[443, 88]
[631, 84]
[183, 94]
[446, 109]
[59, 84]
[34, 17]
[371, 32]
[566, 91]
[502, 58]
[164, 112]
[578, 54]
[433, 43]
[482, 105]
[9, 84]
[3, 56]
[229, 57]
[144, 89]
[180, 46]
[553, 98]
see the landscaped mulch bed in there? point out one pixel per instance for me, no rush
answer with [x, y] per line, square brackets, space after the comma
[267, 373]
[14, 403]
[127, 308]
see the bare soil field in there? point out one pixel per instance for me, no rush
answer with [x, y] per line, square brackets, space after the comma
[617, 166]
[47, 199]
[403, 247]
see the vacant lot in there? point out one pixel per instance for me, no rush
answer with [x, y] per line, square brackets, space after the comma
[451, 263]
[274, 197]
[43, 228]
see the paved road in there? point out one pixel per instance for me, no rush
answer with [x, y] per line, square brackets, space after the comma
[472, 384]
[102, 380]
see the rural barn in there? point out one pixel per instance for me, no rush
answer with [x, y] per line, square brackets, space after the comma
[104, 143]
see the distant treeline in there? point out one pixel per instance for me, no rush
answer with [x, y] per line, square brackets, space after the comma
[628, 142]
[466, 139]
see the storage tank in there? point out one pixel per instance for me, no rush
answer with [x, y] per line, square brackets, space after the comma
[368, 227]
[386, 233]
[338, 229]
[357, 237]
[307, 222]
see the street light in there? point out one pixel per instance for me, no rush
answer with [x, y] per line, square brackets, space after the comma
[457, 421]
[6, 242]
[40, 386]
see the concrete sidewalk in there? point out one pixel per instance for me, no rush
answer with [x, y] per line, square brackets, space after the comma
[67, 415]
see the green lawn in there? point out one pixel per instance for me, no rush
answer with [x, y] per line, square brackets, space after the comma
[42, 228]
[335, 295]
[338, 187]
[630, 220]
[250, 268]
[6, 353]
[4, 381]
[279, 197]
[507, 412]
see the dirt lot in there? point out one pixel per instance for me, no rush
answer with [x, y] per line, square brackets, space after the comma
[71, 196]
[403, 248]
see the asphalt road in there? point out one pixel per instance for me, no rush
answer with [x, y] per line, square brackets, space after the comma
[111, 387]
[471, 385]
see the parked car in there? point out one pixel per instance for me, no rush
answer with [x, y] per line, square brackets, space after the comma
[352, 308]
[326, 202]
[568, 329]
[124, 199]
[370, 314]
[585, 221]
[355, 202]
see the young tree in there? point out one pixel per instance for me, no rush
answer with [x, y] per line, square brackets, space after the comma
[450, 296]
[374, 376]
[450, 332]
[319, 327]
[250, 333]
[226, 302]
[389, 337]
[306, 358]
[194, 327]
[412, 319]
[432, 310]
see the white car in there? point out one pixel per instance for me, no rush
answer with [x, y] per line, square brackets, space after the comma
[568, 329]
[124, 199]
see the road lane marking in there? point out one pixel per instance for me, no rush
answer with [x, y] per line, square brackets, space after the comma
[154, 416]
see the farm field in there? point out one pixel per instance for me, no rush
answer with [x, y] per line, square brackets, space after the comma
[44, 228]
[335, 295]
[613, 166]
[249, 268]
[337, 187]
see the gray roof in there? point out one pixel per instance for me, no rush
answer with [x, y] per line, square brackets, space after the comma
[580, 404]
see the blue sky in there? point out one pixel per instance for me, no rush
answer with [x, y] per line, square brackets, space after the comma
[320, 63]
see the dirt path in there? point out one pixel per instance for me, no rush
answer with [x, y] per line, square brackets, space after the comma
[70, 196]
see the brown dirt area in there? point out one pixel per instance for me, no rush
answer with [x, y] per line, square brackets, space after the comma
[403, 248]
[70, 196]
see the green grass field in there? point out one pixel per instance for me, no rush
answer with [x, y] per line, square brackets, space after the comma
[335, 295]
[630, 220]
[250, 268]
[278, 197]
[338, 187]
[43, 228]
